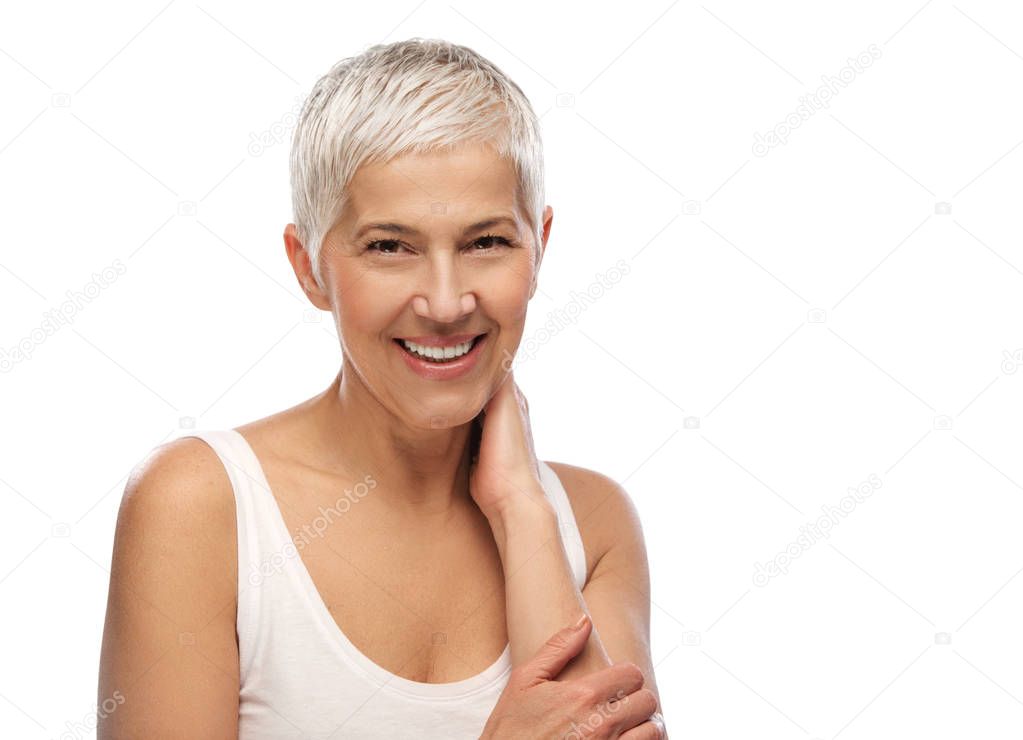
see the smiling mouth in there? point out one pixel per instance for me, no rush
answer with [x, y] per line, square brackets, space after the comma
[438, 355]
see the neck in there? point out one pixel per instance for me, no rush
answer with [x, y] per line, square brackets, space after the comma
[419, 471]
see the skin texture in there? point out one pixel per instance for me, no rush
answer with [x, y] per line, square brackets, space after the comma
[169, 644]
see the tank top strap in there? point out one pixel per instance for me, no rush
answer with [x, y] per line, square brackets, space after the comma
[258, 537]
[566, 522]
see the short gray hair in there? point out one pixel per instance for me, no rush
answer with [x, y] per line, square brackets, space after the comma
[412, 96]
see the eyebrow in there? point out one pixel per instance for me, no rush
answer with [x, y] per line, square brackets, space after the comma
[397, 228]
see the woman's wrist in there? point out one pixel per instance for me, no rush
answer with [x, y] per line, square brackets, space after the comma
[523, 517]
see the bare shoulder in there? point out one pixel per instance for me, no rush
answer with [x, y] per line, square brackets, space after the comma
[170, 621]
[177, 514]
[604, 511]
[180, 483]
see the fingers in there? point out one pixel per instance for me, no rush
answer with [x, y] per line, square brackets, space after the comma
[634, 711]
[506, 388]
[653, 729]
[618, 695]
[658, 720]
[518, 392]
[614, 682]
[554, 654]
[513, 387]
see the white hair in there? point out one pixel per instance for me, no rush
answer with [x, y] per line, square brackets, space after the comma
[412, 96]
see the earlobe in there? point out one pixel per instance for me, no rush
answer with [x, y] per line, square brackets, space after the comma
[315, 294]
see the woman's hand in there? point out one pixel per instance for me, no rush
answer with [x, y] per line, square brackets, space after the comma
[505, 473]
[610, 703]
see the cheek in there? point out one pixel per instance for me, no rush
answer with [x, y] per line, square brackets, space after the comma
[365, 312]
[504, 291]
[364, 306]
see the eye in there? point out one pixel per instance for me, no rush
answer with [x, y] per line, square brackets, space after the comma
[488, 239]
[382, 245]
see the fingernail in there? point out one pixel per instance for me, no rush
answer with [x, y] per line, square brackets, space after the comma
[581, 621]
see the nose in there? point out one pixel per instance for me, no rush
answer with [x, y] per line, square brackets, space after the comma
[443, 296]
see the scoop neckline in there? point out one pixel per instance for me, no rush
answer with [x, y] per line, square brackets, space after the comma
[486, 679]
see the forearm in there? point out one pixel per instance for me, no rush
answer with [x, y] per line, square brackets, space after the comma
[541, 596]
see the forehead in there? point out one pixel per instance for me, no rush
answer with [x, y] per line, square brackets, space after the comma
[462, 181]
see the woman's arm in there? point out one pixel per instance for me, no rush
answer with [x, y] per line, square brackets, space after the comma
[617, 592]
[541, 594]
[169, 646]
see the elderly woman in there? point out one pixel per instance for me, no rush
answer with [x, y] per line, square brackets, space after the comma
[389, 558]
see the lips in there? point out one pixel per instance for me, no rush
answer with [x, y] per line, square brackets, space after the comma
[449, 369]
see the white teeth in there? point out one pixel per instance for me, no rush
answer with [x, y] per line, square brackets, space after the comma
[438, 353]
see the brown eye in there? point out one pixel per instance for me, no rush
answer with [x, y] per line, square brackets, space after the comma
[382, 246]
[488, 241]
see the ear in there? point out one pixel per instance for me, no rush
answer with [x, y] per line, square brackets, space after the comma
[302, 265]
[548, 218]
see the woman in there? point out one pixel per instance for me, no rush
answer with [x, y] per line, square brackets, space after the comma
[389, 558]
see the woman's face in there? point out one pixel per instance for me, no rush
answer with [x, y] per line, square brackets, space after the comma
[429, 269]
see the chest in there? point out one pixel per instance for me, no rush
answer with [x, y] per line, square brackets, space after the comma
[424, 602]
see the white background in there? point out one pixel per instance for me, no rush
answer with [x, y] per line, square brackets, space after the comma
[812, 312]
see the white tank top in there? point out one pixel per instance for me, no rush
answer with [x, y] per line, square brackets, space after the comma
[301, 677]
